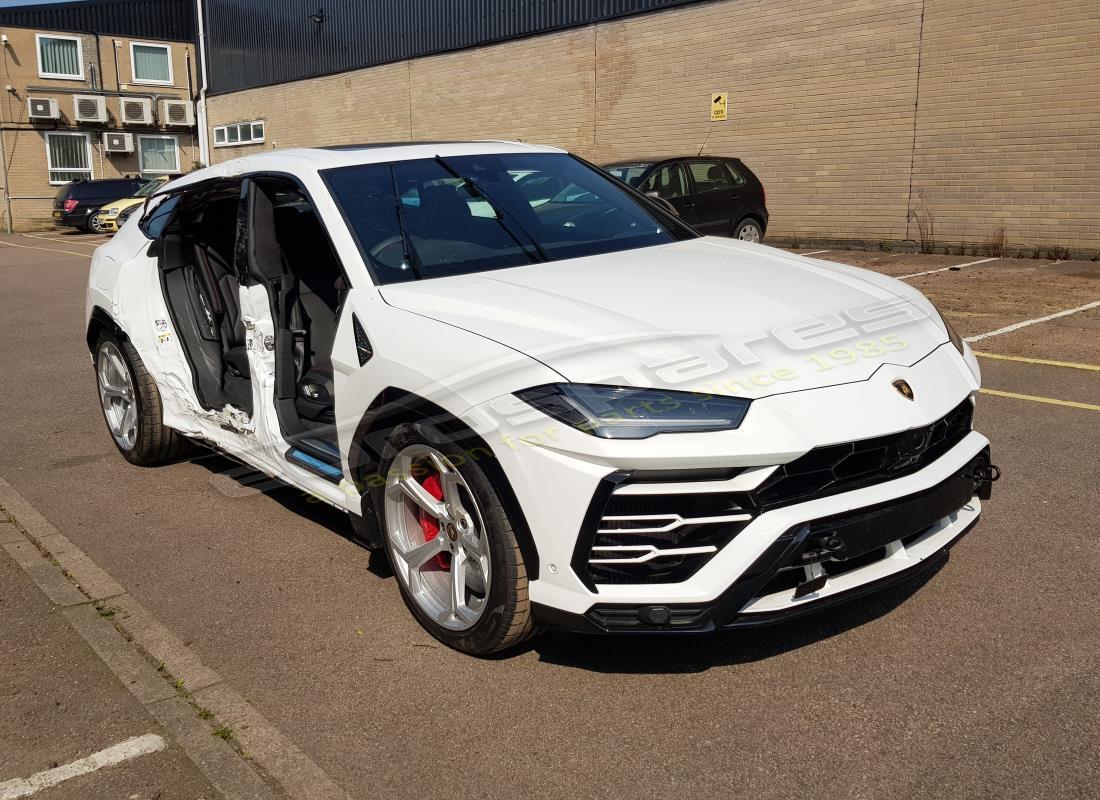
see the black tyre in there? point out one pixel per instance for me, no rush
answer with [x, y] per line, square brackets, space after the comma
[131, 405]
[451, 545]
[96, 223]
[749, 230]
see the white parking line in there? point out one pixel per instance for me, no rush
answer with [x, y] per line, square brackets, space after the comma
[47, 249]
[123, 751]
[814, 253]
[945, 269]
[1025, 323]
[65, 240]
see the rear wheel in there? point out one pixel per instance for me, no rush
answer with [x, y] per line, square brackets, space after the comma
[748, 230]
[131, 405]
[451, 544]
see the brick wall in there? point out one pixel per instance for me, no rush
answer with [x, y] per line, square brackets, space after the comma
[852, 112]
[24, 142]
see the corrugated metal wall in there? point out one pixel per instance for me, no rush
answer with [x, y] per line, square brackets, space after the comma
[145, 19]
[260, 42]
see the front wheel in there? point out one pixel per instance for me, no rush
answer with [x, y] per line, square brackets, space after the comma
[131, 405]
[451, 544]
[96, 223]
[748, 230]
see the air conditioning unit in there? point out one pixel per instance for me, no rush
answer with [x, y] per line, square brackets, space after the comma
[177, 112]
[42, 108]
[136, 111]
[118, 142]
[89, 108]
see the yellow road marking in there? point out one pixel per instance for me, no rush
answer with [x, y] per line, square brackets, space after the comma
[1044, 361]
[1036, 399]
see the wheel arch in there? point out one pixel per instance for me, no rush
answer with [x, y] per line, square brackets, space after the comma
[393, 407]
[98, 322]
[755, 217]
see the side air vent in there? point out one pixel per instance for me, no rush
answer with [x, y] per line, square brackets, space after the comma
[136, 111]
[654, 538]
[363, 347]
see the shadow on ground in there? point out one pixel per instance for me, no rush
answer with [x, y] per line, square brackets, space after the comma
[631, 654]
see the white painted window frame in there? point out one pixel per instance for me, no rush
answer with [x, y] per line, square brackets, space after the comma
[50, 168]
[38, 37]
[239, 125]
[144, 81]
[175, 139]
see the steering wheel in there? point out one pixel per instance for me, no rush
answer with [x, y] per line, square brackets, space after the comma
[375, 252]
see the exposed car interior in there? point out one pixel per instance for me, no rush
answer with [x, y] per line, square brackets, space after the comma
[288, 252]
[203, 294]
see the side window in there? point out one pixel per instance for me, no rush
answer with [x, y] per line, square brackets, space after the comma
[154, 223]
[668, 182]
[709, 176]
[738, 178]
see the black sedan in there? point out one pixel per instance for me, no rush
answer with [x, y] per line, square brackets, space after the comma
[716, 195]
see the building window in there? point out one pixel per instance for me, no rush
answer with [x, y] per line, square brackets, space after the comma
[60, 57]
[239, 133]
[158, 155]
[68, 157]
[151, 63]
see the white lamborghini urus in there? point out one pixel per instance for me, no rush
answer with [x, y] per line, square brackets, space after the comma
[551, 402]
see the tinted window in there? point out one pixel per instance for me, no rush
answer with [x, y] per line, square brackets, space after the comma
[667, 182]
[110, 190]
[153, 224]
[485, 212]
[709, 175]
[366, 197]
[735, 173]
[628, 173]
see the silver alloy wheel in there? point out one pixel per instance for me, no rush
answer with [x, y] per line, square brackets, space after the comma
[116, 392]
[750, 233]
[96, 223]
[448, 575]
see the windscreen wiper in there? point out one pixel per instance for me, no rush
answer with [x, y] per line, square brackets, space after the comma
[507, 221]
[407, 250]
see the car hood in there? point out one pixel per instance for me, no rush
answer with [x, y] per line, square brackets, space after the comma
[706, 314]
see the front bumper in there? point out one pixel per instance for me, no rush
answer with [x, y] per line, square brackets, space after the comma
[556, 474]
[888, 543]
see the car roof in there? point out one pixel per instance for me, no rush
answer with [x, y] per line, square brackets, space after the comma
[648, 162]
[347, 155]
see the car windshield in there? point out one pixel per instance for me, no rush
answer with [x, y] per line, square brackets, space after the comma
[148, 188]
[628, 173]
[448, 216]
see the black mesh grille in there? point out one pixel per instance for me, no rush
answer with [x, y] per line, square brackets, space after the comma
[843, 467]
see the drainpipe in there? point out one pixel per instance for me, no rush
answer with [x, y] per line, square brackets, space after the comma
[204, 142]
[4, 149]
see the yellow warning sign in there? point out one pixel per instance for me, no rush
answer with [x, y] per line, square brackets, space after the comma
[718, 102]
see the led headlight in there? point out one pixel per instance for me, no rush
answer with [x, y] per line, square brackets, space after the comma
[623, 412]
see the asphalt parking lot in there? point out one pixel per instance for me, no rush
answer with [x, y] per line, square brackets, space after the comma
[978, 680]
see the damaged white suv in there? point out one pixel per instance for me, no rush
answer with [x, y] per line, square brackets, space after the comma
[551, 402]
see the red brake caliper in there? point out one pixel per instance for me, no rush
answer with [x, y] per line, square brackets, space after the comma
[429, 524]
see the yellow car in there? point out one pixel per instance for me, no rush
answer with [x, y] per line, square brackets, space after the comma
[109, 218]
